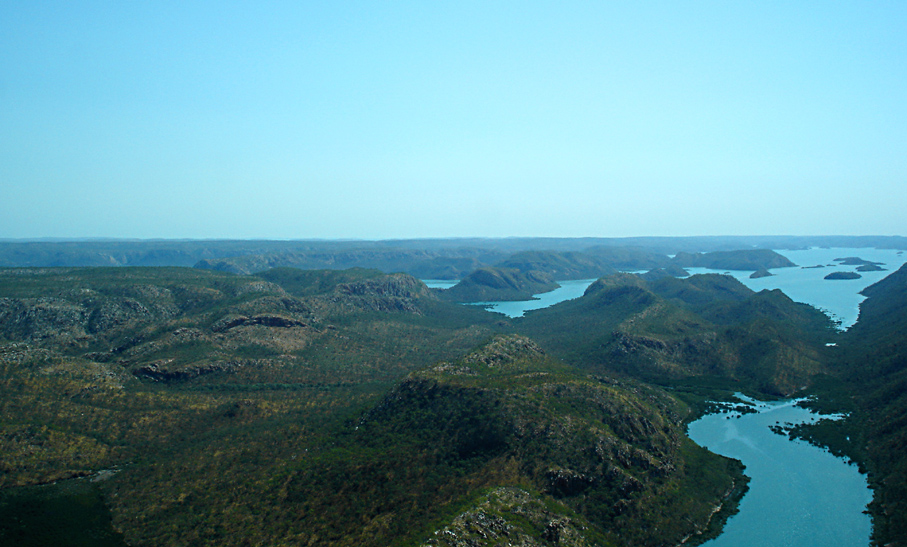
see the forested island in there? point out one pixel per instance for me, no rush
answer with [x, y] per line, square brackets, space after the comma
[241, 396]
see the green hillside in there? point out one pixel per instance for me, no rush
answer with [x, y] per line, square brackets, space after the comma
[671, 329]
[499, 284]
[353, 407]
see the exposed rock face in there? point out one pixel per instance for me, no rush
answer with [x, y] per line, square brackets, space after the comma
[46, 318]
[160, 372]
[546, 440]
[510, 516]
[704, 325]
[277, 321]
[390, 293]
[504, 350]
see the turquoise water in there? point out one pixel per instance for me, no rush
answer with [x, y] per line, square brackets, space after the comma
[568, 290]
[440, 283]
[839, 299]
[799, 495]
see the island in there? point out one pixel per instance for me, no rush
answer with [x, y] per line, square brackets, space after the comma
[843, 275]
[747, 259]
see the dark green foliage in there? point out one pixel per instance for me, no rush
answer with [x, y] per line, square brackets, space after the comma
[71, 514]
[701, 292]
[750, 259]
[302, 283]
[499, 284]
[560, 266]
[842, 275]
[668, 329]
[356, 408]
[506, 415]
[872, 363]
[631, 258]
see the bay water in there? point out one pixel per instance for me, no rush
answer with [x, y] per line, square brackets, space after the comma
[799, 495]
[840, 298]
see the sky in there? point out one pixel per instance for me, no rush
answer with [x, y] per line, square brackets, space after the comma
[399, 119]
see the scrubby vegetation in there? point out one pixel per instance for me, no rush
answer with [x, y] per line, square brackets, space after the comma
[353, 407]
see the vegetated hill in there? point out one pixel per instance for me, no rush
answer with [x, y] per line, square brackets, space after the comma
[303, 283]
[199, 387]
[180, 324]
[507, 444]
[749, 259]
[628, 258]
[225, 408]
[228, 414]
[671, 270]
[842, 275]
[426, 264]
[680, 328]
[560, 266]
[499, 284]
[873, 362]
[642, 253]
[857, 261]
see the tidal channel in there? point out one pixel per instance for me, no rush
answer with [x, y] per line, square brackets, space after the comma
[799, 495]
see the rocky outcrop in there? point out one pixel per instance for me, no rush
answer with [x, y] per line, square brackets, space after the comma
[512, 516]
[160, 372]
[275, 321]
[504, 350]
[390, 293]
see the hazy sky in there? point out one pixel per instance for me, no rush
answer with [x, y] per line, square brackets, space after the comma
[388, 119]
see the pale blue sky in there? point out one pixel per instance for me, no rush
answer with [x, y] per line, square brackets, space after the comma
[421, 119]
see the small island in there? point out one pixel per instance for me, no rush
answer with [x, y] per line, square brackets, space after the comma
[856, 261]
[843, 275]
[762, 272]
